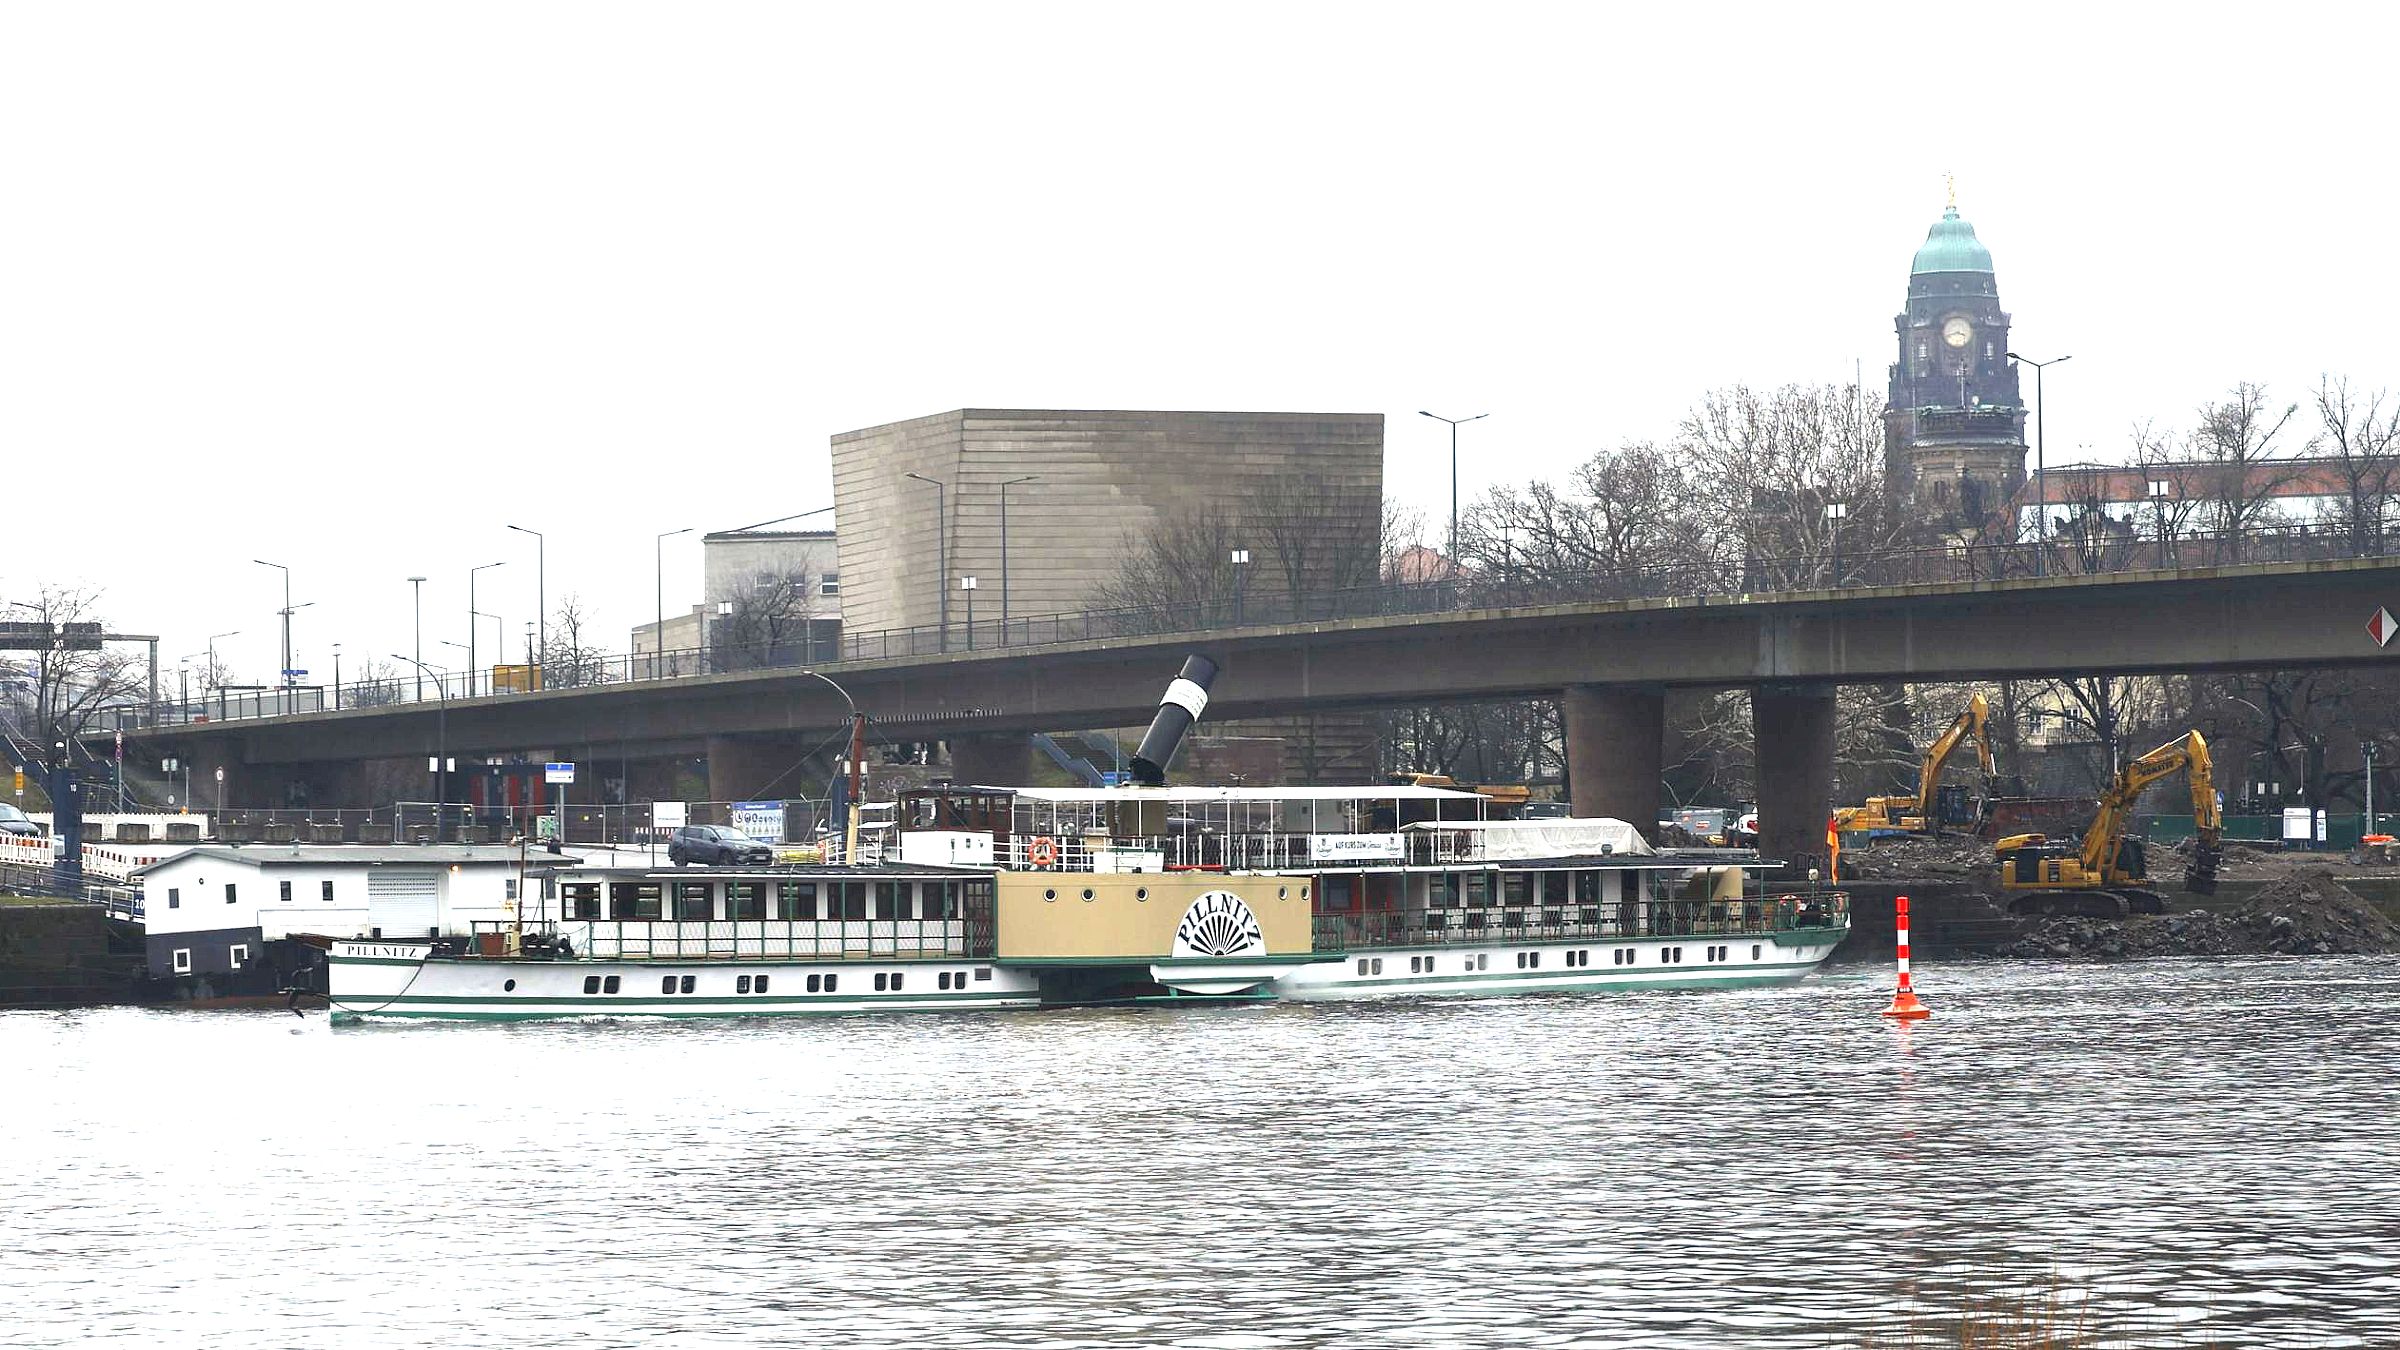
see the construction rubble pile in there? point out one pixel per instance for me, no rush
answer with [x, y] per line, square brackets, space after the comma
[2303, 913]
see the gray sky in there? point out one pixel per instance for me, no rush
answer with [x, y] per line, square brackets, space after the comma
[352, 287]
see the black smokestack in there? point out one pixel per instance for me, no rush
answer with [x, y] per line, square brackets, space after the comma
[1181, 706]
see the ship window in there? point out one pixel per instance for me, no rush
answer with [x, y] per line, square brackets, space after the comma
[1478, 887]
[799, 899]
[695, 901]
[942, 981]
[1362, 965]
[666, 984]
[741, 984]
[880, 977]
[591, 984]
[183, 960]
[897, 976]
[1516, 888]
[760, 985]
[687, 984]
[831, 981]
[325, 890]
[1753, 951]
[610, 985]
[1378, 966]
[508, 986]
[983, 972]
[745, 900]
[1587, 888]
[891, 900]
[1143, 893]
[509, 890]
[1483, 961]
[1087, 893]
[1049, 895]
[814, 982]
[174, 897]
[239, 953]
[1554, 887]
[634, 899]
[229, 892]
[283, 891]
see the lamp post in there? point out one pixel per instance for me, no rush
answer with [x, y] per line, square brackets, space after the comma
[1005, 483]
[541, 600]
[967, 584]
[1455, 423]
[471, 612]
[941, 549]
[287, 617]
[857, 768]
[441, 738]
[1241, 562]
[658, 635]
[2159, 488]
[2041, 499]
[418, 585]
[2369, 751]
[208, 678]
[337, 677]
[1834, 514]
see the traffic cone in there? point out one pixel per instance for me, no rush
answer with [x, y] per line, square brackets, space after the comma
[1904, 1000]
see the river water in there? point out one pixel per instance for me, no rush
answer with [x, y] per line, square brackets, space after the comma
[2206, 1149]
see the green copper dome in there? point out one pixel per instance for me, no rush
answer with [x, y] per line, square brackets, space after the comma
[1951, 246]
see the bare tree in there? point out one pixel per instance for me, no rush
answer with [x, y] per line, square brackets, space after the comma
[56, 694]
[378, 685]
[2360, 433]
[1620, 514]
[569, 659]
[765, 624]
[2231, 462]
[1764, 468]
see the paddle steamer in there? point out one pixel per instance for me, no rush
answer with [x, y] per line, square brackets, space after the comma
[985, 897]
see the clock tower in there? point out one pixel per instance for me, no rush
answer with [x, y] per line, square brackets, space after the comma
[1954, 428]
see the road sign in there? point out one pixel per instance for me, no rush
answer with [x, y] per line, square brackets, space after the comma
[294, 674]
[2382, 627]
[558, 773]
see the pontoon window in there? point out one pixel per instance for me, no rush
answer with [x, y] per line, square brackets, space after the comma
[1554, 887]
[695, 901]
[1518, 888]
[799, 899]
[634, 899]
[745, 899]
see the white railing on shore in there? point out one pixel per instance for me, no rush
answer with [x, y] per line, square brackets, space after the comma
[777, 939]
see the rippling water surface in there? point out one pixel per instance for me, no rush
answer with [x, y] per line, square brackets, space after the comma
[2209, 1148]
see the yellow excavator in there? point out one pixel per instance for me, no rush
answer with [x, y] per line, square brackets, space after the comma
[1919, 814]
[2100, 877]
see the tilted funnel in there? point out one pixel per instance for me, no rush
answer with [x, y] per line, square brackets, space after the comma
[1186, 696]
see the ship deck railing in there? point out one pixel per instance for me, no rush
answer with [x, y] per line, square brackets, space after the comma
[1287, 852]
[1615, 923]
[746, 939]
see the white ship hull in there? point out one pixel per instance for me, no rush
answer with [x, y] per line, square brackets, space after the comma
[1559, 966]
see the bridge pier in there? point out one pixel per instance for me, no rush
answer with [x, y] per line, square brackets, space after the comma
[762, 765]
[1616, 734]
[1001, 761]
[1793, 729]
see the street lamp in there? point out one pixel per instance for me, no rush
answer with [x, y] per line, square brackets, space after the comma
[418, 585]
[967, 584]
[1240, 560]
[658, 635]
[2041, 498]
[1005, 484]
[541, 613]
[2159, 488]
[208, 678]
[441, 736]
[1455, 423]
[941, 548]
[471, 612]
[1834, 514]
[287, 616]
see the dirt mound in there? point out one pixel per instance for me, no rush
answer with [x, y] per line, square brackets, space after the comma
[2302, 913]
[1906, 859]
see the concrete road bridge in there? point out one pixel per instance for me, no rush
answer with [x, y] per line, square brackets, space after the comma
[1611, 662]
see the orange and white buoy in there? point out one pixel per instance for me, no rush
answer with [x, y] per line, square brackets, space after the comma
[1904, 1000]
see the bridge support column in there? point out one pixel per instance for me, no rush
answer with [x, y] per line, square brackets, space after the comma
[1615, 739]
[1793, 729]
[762, 766]
[1000, 761]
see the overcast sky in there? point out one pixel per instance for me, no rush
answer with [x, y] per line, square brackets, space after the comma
[351, 288]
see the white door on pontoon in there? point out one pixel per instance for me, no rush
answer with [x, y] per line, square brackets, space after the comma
[403, 901]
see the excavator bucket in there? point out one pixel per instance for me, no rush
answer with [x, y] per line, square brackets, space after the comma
[2201, 877]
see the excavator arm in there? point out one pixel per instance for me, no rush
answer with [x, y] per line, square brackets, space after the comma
[2187, 754]
[1968, 725]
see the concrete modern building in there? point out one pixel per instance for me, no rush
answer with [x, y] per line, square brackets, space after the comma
[1954, 424]
[1079, 486]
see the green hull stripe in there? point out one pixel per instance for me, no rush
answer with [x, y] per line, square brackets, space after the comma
[590, 1002]
[455, 1015]
[1498, 979]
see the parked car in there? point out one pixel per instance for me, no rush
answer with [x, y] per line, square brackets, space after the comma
[14, 821]
[715, 844]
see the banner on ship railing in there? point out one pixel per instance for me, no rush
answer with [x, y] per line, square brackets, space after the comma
[1354, 848]
[759, 820]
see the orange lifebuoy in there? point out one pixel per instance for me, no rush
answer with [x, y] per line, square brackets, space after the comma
[1042, 852]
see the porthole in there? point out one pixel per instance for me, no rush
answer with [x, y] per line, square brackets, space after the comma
[1049, 895]
[591, 984]
[1141, 892]
[509, 987]
[741, 984]
[1283, 892]
[1754, 951]
[666, 984]
[610, 986]
[687, 984]
[815, 982]
[761, 984]
[1304, 892]
[1087, 895]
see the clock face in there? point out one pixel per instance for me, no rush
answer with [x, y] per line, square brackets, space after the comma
[1956, 330]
